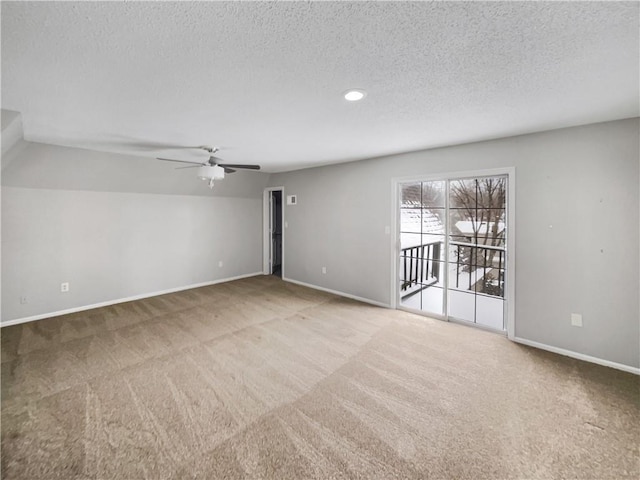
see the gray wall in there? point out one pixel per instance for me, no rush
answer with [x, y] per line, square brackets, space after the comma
[582, 181]
[116, 244]
[11, 123]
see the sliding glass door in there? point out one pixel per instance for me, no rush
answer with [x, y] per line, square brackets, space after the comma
[453, 248]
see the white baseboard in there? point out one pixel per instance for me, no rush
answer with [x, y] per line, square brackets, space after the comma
[579, 356]
[341, 294]
[16, 321]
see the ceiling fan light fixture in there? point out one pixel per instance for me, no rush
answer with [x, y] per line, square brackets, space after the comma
[354, 95]
[214, 169]
[211, 172]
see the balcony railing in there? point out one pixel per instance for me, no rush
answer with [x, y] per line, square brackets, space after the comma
[420, 266]
[474, 267]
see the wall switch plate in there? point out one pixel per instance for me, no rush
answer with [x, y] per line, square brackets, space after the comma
[324, 270]
[220, 263]
[387, 230]
[23, 300]
[64, 287]
[576, 320]
[292, 199]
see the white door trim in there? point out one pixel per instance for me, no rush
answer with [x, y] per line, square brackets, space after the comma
[510, 172]
[266, 235]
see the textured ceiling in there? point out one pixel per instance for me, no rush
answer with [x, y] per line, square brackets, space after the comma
[265, 79]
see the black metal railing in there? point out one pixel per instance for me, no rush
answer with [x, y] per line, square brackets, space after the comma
[485, 259]
[420, 266]
[479, 267]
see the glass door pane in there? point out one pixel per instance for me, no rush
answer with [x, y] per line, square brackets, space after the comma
[422, 246]
[477, 255]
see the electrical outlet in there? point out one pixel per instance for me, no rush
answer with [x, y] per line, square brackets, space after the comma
[64, 287]
[576, 320]
[324, 270]
[23, 300]
[220, 264]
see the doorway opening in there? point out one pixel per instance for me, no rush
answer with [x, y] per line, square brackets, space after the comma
[276, 233]
[273, 258]
[454, 236]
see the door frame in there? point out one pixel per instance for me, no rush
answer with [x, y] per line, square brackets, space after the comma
[266, 234]
[510, 291]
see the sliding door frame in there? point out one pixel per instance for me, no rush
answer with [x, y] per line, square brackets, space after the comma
[510, 290]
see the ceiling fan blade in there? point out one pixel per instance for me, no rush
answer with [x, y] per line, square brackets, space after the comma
[234, 165]
[160, 146]
[188, 166]
[144, 144]
[181, 161]
[228, 170]
[123, 142]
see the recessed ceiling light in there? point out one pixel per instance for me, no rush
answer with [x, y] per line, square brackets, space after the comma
[354, 95]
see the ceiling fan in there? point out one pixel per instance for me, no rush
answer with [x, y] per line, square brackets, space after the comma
[214, 168]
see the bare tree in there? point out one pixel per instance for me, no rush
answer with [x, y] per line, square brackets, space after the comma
[481, 202]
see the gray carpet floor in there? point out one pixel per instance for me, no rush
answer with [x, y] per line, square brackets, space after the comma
[262, 379]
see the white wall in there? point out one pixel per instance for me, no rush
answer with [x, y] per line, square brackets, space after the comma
[86, 223]
[582, 181]
[115, 245]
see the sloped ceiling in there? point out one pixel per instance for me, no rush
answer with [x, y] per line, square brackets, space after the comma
[266, 79]
[39, 165]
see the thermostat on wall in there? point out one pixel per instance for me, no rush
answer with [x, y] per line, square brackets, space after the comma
[292, 199]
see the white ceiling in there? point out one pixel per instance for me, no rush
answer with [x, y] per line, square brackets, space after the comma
[266, 79]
